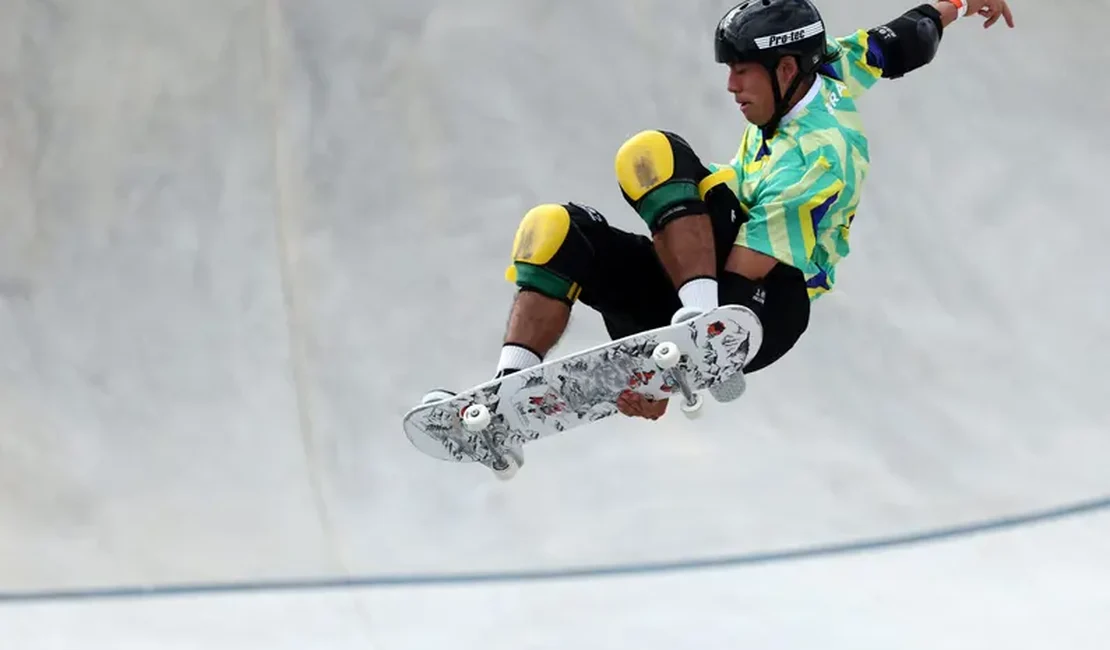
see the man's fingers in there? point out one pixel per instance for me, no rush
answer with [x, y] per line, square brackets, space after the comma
[627, 405]
[631, 404]
[635, 405]
[995, 10]
[656, 409]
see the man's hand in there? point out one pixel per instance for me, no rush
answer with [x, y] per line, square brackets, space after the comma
[992, 10]
[636, 405]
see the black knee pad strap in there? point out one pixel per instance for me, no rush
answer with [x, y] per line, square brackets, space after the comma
[658, 173]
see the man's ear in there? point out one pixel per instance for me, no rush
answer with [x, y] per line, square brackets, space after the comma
[786, 69]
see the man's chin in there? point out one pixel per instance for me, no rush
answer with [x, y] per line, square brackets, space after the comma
[747, 111]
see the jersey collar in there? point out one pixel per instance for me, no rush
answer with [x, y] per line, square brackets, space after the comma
[803, 102]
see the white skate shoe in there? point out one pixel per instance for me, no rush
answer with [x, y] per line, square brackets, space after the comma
[685, 313]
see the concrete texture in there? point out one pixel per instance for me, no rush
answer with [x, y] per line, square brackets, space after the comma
[241, 238]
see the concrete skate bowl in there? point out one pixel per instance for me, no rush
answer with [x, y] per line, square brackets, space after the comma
[242, 238]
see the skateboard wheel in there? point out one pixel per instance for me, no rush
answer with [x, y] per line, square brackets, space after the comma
[507, 470]
[666, 355]
[693, 410]
[476, 417]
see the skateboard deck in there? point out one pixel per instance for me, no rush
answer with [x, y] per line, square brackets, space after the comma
[491, 422]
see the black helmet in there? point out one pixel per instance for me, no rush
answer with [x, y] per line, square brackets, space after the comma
[764, 31]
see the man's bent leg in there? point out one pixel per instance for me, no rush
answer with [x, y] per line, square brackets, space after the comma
[686, 250]
[659, 174]
[567, 253]
[536, 322]
[550, 258]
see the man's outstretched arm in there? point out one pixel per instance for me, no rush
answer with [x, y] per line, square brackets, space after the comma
[911, 40]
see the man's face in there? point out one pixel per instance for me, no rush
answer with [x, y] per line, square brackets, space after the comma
[750, 85]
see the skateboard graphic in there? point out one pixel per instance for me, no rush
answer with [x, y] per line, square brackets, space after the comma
[491, 422]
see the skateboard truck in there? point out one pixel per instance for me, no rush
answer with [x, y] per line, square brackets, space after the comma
[667, 355]
[476, 418]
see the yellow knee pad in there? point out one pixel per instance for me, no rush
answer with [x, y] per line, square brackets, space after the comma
[658, 174]
[644, 162]
[541, 260]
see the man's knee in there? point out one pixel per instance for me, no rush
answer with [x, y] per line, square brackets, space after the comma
[659, 176]
[552, 253]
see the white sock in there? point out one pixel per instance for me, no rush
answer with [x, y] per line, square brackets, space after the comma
[517, 358]
[700, 293]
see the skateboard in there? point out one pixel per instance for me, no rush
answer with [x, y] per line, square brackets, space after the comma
[491, 422]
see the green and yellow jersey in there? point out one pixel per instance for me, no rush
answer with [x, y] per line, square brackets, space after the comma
[800, 189]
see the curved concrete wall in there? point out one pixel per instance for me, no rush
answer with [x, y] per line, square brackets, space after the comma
[240, 239]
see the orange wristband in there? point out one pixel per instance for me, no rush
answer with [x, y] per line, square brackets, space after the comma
[961, 7]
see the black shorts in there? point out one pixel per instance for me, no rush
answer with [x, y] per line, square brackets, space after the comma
[630, 288]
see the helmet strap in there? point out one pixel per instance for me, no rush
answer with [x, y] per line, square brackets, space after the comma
[781, 99]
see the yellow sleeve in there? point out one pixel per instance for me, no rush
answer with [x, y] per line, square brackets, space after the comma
[861, 61]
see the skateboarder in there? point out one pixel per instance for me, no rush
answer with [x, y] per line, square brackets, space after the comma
[765, 230]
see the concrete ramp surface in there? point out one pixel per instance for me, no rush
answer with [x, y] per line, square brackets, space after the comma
[239, 239]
